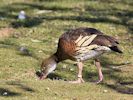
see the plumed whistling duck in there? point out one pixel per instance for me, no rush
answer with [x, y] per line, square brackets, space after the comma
[79, 45]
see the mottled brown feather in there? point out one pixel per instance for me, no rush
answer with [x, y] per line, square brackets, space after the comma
[65, 49]
[104, 40]
[75, 33]
[66, 45]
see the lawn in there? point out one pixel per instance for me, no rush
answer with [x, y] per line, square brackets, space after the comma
[46, 20]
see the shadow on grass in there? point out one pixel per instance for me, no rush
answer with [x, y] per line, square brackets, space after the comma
[126, 2]
[109, 15]
[29, 22]
[6, 12]
[21, 86]
[121, 88]
[54, 76]
[119, 85]
[98, 19]
[8, 93]
[8, 44]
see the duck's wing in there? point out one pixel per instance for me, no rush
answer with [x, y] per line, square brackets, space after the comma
[83, 45]
[70, 40]
[106, 42]
[96, 42]
[73, 34]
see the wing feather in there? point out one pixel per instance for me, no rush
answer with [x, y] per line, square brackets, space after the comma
[84, 41]
[81, 41]
[88, 41]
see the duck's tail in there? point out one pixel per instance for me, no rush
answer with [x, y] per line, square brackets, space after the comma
[116, 49]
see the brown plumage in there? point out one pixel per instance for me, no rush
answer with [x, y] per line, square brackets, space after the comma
[66, 45]
[79, 45]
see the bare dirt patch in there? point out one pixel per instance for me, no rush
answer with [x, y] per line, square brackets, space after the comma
[6, 32]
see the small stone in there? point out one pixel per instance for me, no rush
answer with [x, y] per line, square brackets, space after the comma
[36, 79]
[105, 91]
[56, 41]
[64, 66]
[2, 18]
[127, 62]
[74, 98]
[47, 88]
[5, 93]
[72, 69]
[24, 50]
[22, 15]
[56, 93]
[40, 51]
[113, 67]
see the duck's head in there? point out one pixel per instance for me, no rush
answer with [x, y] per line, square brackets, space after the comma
[48, 65]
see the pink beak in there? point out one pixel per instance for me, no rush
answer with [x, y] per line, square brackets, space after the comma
[42, 77]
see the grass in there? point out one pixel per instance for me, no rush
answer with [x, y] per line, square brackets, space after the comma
[39, 33]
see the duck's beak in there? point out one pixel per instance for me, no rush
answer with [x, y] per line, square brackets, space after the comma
[41, 75]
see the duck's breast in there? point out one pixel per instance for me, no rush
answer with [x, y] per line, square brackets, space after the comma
[87, 55]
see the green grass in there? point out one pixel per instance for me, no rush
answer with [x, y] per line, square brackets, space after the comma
[39, 33]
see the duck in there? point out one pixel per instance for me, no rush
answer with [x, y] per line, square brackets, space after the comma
[79, 45]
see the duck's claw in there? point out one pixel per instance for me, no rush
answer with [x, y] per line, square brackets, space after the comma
[79, 80]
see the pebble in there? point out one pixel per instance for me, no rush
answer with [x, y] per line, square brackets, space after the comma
[47, 88]
[40, 51]
[5, 93]
[21, 15]
[24, 50]
[74, 98]
[71, 69]
[126, 62]
[105, 91]
[64, 66]
[56, 93]
[2, 18]
[56, 41]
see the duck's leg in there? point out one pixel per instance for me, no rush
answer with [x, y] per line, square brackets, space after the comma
[98, 65]
[80, 79]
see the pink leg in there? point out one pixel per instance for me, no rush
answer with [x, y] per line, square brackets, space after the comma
[98, 65]
[80, 79]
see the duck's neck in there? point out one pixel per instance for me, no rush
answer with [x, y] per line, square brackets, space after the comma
[48, 65]
[52, 64]
[55, 58]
